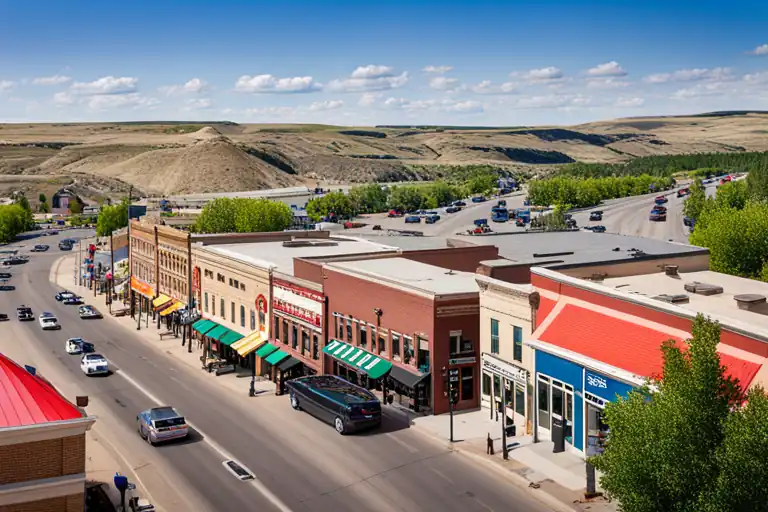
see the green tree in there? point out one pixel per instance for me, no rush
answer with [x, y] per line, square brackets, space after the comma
[75, 207]
[242, 215]
[14, 219]
[757, 181]
[405, 198]
[482, 183]
[43, 208]
[732, 195]
[337, 203]
[41, 198]
[439, 194]
[694, 203]
[370, 198]
[112, 218]
[662, 450]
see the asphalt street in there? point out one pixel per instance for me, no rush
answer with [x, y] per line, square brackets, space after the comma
[300, 464]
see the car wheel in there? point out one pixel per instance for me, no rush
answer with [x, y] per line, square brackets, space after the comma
[295, 402]
[338, 423]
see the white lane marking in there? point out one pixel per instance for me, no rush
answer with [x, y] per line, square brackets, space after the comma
[440, 474]
[260, 487]
[401, 442]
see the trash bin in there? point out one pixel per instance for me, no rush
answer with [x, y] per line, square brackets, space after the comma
[558, 434]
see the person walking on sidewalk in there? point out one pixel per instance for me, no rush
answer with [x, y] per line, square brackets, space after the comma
[489, 447]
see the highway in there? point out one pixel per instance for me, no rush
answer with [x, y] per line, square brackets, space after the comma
[300, 464]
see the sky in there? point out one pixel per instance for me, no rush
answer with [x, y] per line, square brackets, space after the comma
[479, 63]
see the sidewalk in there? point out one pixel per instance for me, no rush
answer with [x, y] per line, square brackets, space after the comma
[560, 477]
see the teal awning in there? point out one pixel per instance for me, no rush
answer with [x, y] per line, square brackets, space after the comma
[203, 326]
[275, 357]
[357, 358]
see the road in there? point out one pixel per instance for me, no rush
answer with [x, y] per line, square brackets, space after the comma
[300, 464]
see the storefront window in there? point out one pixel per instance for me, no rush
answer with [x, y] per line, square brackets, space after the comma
[497, 387]
[242, 316]
[395, 346]
[407, 349]
[467, 383]
[315, 347]
[363, 337]
[518, 339]
[519, 399]
[486, 390]
[543, 399]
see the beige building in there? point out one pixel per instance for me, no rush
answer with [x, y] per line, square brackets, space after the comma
[506, 319]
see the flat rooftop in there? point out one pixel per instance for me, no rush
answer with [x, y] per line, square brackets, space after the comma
[406, 243]
[280, 255]
[722, 305]
[412, 275]
[565, 248]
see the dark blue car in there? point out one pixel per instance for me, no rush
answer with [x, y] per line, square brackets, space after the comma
[413, 219]
[479, 199]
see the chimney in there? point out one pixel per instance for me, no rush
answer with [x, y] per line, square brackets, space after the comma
[671, 270]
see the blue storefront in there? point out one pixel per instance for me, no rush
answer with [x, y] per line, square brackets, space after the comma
[572, 394]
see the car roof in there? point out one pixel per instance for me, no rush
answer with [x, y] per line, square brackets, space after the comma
[94, 356]
[163, 413]
[338, 389]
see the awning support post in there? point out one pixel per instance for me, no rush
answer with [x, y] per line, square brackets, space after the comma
[252, 390]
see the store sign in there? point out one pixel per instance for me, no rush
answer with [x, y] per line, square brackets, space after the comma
[141, 287]
[196, 279]
[503, 369]
[604, 387]
[306, 305]
[462, 360]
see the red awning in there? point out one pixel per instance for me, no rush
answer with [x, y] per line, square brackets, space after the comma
[624, 344]
[26, 399]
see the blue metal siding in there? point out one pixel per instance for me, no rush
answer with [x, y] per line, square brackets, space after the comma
[571, 374]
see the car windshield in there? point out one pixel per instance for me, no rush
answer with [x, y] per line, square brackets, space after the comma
[95, 359]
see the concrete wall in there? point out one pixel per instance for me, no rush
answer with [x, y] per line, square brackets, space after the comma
[693, 262]
[465, 259]
[518, 273]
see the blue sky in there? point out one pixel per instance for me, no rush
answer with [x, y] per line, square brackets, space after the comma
[363, 63]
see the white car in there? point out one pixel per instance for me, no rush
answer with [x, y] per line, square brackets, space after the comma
[49, 322]
[94, 364]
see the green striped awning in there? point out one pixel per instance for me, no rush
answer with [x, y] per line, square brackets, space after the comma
[217, 332]
[357, 358]
[265, 350]
[276, 356]
[203, 326]
[230, 337]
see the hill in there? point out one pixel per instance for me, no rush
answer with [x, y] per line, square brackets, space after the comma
[163, 158]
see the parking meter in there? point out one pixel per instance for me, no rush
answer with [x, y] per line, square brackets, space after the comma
[121, 483]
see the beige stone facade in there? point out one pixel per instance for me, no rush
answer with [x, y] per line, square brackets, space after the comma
[506, 364]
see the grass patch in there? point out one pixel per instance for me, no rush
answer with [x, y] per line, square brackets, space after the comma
[183, 128]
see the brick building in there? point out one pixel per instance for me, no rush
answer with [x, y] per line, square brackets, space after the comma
[407, 317]
[42, 445]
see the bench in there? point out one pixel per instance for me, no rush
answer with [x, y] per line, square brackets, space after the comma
[167, 333]
[120, 312]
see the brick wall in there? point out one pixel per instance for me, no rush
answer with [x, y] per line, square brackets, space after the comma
[72, 503]
[42, 459]
[464, 259]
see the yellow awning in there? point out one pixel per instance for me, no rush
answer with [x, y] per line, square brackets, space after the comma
[173, 307]
[250, 343]
[160, 300]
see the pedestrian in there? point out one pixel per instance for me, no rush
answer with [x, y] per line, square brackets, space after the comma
[489, 448]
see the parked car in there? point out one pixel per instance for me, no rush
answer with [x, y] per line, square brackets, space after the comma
[4, 317]
[658, 214]
[72, 301]
[7, 287]
[520, 222]
[598, 229]
[87, 312]
[459, 203]
[49, 322]
[94, 364]
[502, 203]
[431, 219]
[570, 223]
[161, 424]
[687, 221]
[334, 400]
[62, 296]
[452, 209]
[596, 216]
[413, 219]
[5, 275]
[78, 346]
[683, 192]
[24, 313]
[394, 213]
[40, 248]
[661, 200]
[479, 199]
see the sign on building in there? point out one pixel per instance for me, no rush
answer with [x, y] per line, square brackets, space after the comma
[301, 303]
[504, 369]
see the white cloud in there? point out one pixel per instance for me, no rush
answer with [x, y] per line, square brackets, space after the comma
[760, 50]
[552, 101]
[51, 80]
[63, 98]
[107, 85]
[271, 112]
[272, 84]
[759, 77]
[368, 99]
[369, 78]
[110, 101]
[465, 107]
[319, 106]
[698, 90]
[487, 87]
[198, 104]
[6, 85]
[606, 83]
[193, 86]
[437, 70]
[443, 83]
[548, 74]
[611, 68]
[629, 102]
[690, 75]
[445, 105]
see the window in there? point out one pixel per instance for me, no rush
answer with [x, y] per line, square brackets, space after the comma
[223, 313]
[467, 383]
[295, 338]
[486, 386]
[363, 337]
[276, 332]
[242, 287]
[242, 316]
[230, 281]
[337, 326]
[455, 342]
[236, 284]
[213, 305]
[220, 278]
[395, 346]
[262, 319]
[205, 308]
[407, 349]
[349, 330]
[285, 332]
[232, 310]
[253, 320]
[373, 338]
[315, 347]
[518, 338]
[494, 336]
[519, 399]
[383, 334]
[304, 341]
[543, 400]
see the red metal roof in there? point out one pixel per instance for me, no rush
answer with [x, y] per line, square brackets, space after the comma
[545, 308]
[624, 344]
[26, 399]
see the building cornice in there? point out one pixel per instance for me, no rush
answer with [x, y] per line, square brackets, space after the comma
[45, 431]
[491, 285]
[42, 489]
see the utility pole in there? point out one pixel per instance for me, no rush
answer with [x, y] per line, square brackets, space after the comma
[504, 451]
[453, 392]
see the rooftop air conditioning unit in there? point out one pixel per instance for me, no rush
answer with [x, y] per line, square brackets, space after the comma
[703, 288]
[679, 298]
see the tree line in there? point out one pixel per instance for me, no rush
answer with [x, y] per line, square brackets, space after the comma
[243, 215]
[15, 218]
[667, 165]
[583, 192]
